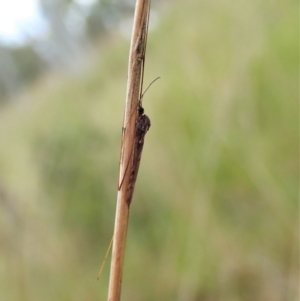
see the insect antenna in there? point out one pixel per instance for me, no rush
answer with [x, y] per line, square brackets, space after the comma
[144, 51]
[142, 94]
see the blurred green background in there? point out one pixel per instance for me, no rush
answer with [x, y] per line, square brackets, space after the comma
[215, 215]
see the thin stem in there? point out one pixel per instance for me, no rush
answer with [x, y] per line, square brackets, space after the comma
[136, 61]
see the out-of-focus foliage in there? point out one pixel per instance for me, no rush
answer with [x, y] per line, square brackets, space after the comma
[19, 66]
[215, 211]
[73, 176]
[70, 28]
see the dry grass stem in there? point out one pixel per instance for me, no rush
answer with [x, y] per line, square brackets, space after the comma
[135, 75]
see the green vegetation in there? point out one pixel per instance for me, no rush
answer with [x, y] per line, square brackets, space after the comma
[215, 211]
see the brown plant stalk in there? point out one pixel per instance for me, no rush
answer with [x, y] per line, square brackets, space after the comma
[135, 125]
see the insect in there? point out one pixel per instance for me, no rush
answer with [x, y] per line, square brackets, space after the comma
[141, 126]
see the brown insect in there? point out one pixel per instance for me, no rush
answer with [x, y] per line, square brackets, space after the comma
[141, 128]
[142, 124]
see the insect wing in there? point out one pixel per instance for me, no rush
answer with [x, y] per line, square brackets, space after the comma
[142, 126]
